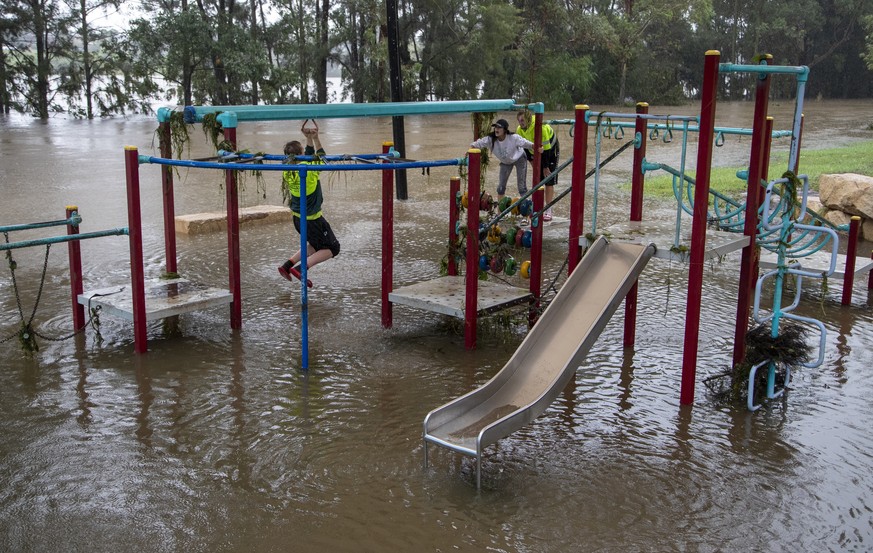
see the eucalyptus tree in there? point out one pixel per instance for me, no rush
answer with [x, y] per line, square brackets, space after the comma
[94, 74]
[169, 46]
[458, 49]
[555, 42]
[38, 34]
[361, 50]
[868, 46]
[9, 35]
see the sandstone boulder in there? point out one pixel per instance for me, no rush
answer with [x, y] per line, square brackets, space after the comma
[203, 223]
[847, 192]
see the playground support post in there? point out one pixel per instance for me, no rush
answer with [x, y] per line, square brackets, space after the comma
[636, 215]
[387, 240]
[765, 170]
[796, 167]
[536, 248]
[757, 162]
[536, 256]
[233, 257]
[851, 252]
[134, 226]
[74, 252]
[454, 189]
[577, 190]
[169, 201]
[698, 226]
[471, 304]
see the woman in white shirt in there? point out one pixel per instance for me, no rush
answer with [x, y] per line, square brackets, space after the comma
[508, 148]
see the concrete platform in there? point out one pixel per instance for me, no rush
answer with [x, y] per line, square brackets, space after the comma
[204, 223]
[820, 262]
[446, 295]
[661, 233]
[164, 298]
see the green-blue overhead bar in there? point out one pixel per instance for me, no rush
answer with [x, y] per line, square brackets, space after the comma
[194, 114]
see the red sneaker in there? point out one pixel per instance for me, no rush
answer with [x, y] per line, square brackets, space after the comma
[295, 273]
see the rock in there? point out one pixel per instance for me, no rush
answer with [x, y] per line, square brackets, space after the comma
[203, 223]
[837, 217]
[848, 192]
[867, 230]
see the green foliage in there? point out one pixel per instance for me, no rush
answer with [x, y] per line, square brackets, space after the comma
[52, 58]
[868, 51]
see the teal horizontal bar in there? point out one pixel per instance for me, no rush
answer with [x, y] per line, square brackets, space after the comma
[194, 114]
[61, 239]
[73, 220]
[800, 70]
[692, 128]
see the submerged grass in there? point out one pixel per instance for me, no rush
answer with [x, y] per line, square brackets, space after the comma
[855, 158]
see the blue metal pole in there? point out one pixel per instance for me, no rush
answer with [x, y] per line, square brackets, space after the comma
[304, 297]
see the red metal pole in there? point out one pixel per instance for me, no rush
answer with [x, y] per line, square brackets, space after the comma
[851, 252]
[233, 258]
[636, 214]
[74, 251]
[536, 254]
[765, 172]
[698, 226]
[169, 201]
[536, 244]
[387, 240]
[757, 163]
[454, 214]
[577, 191]
[471, 305]
[537, 156]
[134, 231]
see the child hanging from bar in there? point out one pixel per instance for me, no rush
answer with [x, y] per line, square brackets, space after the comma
[321, 243]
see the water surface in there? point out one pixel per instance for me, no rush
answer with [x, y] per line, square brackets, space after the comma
[215, 440]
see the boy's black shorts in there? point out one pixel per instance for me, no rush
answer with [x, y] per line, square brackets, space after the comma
[319, 235]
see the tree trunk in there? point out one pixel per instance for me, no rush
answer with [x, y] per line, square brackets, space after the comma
[86, 61]
[5, 99]
[42, 63]
[322, 12]
[302, 54]
[253, 6]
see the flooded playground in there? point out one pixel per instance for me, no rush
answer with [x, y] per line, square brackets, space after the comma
[215, 440]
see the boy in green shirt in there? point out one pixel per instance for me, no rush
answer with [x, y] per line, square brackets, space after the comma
[321, 243]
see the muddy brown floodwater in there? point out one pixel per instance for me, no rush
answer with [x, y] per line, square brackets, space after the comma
[215, 440]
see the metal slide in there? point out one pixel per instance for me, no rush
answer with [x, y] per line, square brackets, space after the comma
[547, 358]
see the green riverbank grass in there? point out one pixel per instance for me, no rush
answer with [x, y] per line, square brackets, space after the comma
[855, 158]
